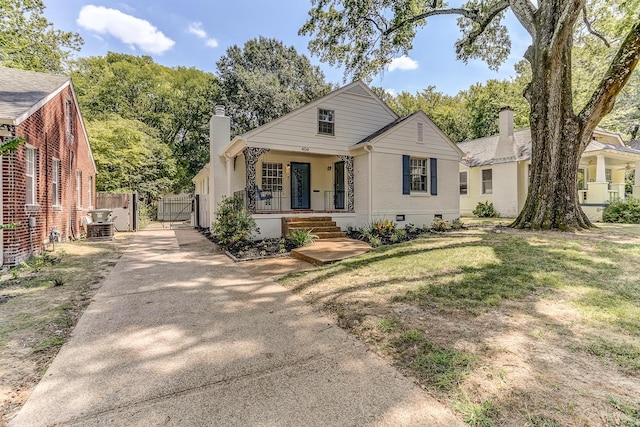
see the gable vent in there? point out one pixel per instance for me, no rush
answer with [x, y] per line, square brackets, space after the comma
[420, 133]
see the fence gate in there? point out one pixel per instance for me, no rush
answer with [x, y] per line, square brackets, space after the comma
[175, 208]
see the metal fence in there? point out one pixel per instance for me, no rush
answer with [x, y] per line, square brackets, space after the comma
[175, 208]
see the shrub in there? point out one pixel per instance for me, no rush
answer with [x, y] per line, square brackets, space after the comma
[456, 224]
[234, 226]
[440, 224]
[623, 211]
[302, 237]
[485, 210]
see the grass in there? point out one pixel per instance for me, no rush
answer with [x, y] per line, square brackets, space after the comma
[43, 299]
[462, 276]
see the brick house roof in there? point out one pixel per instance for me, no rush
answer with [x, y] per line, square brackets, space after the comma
[21, 90]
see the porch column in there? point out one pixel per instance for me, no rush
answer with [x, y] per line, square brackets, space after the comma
[600, 169]
[251, 156]
[348, 162]
[598, 191]
[636, 184]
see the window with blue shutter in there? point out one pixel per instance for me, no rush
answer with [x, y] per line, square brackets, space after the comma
[434, 176]
[406, 174]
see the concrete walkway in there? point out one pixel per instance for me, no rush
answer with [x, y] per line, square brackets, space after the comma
[178, 335]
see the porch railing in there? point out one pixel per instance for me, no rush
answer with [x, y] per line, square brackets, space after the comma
[265, 200]
[334, 200]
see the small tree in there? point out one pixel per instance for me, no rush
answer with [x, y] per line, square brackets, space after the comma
[234, 226]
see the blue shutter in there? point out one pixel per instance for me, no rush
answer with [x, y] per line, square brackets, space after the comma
[406, 175]
[434, 176]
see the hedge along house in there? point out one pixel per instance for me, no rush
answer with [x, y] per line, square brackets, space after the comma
[496, 169]
[48, 184]
[346, 155]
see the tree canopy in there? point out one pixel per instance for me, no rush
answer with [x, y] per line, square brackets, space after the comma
[366, 35]
[175, 102]
[30, 42]
[264, 80]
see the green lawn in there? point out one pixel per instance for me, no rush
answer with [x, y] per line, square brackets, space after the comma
[575, 294]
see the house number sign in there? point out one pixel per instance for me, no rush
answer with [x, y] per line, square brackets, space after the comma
[305, 149]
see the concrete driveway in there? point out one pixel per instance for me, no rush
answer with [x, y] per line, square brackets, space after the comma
[178, 335]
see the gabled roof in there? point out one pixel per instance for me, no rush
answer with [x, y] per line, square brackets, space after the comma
[480, 152]
[23, 92]
[385, 129]
[357, 86]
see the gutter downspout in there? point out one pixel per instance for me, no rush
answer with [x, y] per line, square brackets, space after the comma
[369, 149]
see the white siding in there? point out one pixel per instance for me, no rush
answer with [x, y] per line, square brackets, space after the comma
[403, 139]
[356, 117]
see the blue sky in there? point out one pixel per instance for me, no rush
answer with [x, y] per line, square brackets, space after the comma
[197, 33]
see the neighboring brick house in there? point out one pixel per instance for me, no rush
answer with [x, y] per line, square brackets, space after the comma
[49, 182]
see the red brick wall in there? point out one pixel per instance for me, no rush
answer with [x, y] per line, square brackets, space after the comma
[45, 130]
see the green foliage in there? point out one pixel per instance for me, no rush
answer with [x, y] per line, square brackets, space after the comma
[302, 237]
[264, 80]
[130, 158]
[234, 226]
[171, 106]
[440, 224]
[485, 210]
[438, 366]
[456, 224]
[623, 211]
[30, 42]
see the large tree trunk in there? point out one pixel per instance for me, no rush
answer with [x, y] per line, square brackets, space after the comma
[558, 137]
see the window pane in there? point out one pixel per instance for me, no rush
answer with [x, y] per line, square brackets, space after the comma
[418, 174]
[463, 183]
[487, 181]
[271, 177]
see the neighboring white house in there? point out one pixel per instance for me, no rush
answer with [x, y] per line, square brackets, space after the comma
[496, 169]
[346, 155]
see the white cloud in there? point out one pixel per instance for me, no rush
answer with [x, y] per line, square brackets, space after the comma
[212, 43]
[126, 28]
[403, 63]
[196, 29]
[391, 91]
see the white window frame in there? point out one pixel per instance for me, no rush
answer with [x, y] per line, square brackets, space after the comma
[272, 177]
[487, 189]
[55, 182]
[326, 122]
[419, 170]
[465, 182]
[78, 189]
[30, 173]
[90, 191]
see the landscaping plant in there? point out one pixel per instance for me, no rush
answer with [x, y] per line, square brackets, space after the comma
[485, 210]
[623, 211]
[302, 237]
[234, 226]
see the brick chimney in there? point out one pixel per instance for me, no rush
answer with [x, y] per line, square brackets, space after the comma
[505, 148]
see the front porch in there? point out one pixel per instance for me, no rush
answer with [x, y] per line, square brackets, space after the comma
[282, 182]
[602, 180]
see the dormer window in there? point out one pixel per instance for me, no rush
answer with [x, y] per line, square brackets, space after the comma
[325, 122]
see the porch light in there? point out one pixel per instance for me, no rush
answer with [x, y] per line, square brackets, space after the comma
[288, 168]
[328, 168]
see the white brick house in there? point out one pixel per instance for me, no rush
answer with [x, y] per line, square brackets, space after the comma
[346, 155]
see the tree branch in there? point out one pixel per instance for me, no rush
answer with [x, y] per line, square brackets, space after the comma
[617, 75]
[565, 23]
[525, 11]
[482, 24]
[590, 29]
[471, 14]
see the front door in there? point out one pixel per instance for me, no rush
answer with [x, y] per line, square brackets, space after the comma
[338, 185]
[300, 185]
